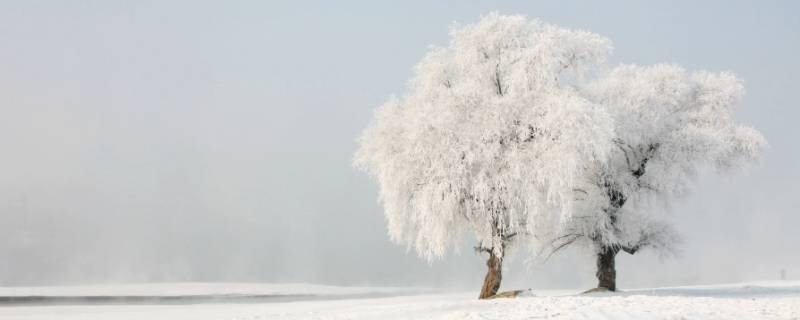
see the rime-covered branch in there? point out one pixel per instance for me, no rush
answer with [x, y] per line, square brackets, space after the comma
[486, 142]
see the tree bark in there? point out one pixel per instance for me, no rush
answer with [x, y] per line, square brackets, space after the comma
[606, 270]
[494, 274]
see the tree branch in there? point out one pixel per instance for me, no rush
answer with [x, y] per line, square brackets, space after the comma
[508, 236]
[574, 238]
[630, 250]
[497, 80]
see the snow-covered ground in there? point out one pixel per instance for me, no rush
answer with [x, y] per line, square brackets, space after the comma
[757, 300]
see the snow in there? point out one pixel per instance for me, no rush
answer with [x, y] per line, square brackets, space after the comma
[755, 300]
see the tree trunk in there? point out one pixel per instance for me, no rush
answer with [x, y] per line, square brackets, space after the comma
[606, 271]
[491, 284]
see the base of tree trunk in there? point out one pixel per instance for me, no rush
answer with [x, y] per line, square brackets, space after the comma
[494, 274]
[509, 294]
[606, 269]
[596, 290]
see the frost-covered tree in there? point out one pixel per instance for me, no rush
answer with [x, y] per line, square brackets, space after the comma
[669, 123]
[490, 139]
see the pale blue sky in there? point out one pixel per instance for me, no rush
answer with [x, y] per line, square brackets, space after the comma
[204, 140]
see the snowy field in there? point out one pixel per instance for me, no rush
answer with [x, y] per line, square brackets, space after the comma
[758, 300]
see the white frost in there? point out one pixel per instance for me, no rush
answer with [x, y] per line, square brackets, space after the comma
[763, 300]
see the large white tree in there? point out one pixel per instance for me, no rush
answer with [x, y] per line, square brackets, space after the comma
[669, 123]
[490, 140]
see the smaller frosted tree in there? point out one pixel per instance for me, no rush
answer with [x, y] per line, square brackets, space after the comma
[490, 139]
[669, 124]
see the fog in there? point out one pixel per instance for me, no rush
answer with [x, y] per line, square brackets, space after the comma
[202, 141]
